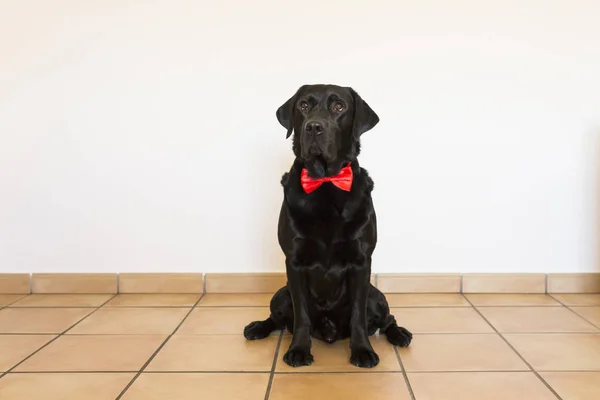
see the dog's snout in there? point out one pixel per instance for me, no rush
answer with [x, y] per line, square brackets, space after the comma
[314, 127]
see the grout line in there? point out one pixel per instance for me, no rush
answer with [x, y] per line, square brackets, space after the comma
[236, 334]
[558, 301]
[519, 306]
[126, 307]
[99, 307]
[29, 334]
[298, 373]
[232, 306]
[516, 352]
[49, 307]
[111, 307]
[499, 371]
[579, 305]
[408, 385]
[137, 293]
[272, 375]
[186, 316]
[418, 293]
[16, 301]
[53, 340]
[71, 372]
[486, 306]
[157, 351]
[358, 371]
[138, 373]
[575, 312]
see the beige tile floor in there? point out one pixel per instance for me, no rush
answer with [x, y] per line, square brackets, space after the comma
[171, 347]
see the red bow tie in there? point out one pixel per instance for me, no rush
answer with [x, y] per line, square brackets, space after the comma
[343, 180]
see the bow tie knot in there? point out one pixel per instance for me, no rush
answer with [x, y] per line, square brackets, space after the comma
[343, 180]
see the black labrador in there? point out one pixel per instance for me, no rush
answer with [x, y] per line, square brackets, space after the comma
[327, 230]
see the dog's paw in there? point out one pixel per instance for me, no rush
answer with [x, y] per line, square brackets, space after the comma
[256, 330]
[398, 336]
[298, 357]
[364, 358]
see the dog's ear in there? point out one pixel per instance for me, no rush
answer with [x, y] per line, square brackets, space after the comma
[364, 116]
[285, 113]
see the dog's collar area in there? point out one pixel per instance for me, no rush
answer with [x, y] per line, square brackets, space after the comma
[343, 180]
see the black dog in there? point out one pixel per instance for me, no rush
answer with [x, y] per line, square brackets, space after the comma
[327, 230]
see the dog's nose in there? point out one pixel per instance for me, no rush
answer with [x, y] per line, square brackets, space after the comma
[314, 127]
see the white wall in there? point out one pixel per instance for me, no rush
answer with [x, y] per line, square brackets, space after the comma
[141, 135]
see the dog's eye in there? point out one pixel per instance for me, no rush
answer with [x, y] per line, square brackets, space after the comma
[338, 107]
[303, 106]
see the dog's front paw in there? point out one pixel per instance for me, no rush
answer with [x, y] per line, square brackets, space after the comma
[298, 357]
[398, 336]
[364, 358]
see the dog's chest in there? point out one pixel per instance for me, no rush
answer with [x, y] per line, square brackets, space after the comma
[324, 213]
[331, 262]
[327, 285]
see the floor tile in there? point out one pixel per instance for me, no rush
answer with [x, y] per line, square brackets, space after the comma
[591, 314]
[215, 353]
[558, 352]
[221, 320]
[574, 385]
[94, 353]
[131, 321]
[478, 386]
[483, 300]
[336, 357]
[339, 386]
[477, 352]
[14, 348]
[236, 300]
[194, 386]
[154, 300]
[578, 299]
[535, 319]
[426, 300]
[441, 320]
[6, 299]
[63, 300]
[63, 386]
[40, 320]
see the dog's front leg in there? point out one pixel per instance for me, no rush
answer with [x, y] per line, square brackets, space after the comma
[361, 352]
[299, 352]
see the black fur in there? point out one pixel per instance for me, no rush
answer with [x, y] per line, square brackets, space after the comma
[328, 236]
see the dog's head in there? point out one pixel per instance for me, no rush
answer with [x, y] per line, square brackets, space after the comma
[327, 122]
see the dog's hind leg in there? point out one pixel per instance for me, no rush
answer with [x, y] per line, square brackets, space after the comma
[281, 312]
[396, 335]
[379, 316]
[259, 329]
